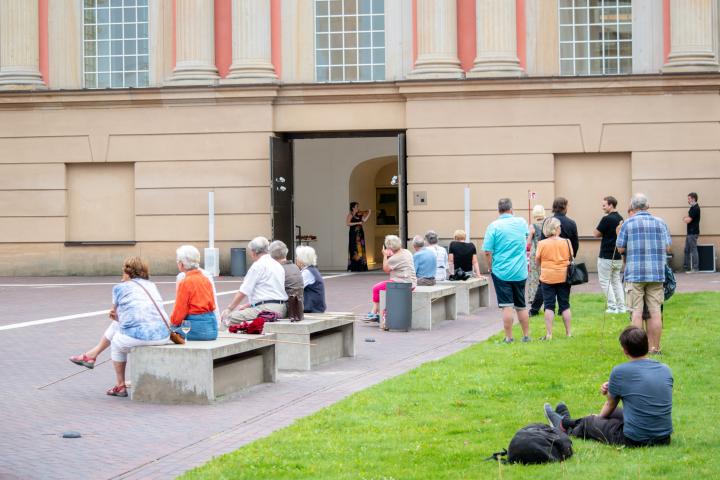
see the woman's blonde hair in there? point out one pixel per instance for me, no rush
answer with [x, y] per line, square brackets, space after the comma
[393, 242]
[550, 225]
[136, 267]
[538, 212]
[459, 235]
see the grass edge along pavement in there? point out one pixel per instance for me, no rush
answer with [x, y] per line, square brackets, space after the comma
[443, 418]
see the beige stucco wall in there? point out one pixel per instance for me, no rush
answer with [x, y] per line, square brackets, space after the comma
[661, 134]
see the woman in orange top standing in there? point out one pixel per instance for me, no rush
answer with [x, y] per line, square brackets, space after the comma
[553, 256]
[194, 300]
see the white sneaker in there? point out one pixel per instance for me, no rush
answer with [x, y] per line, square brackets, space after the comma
[622, 310]
[611, 311]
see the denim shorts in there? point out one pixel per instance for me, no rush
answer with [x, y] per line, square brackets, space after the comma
[203, 326]
[509, 293]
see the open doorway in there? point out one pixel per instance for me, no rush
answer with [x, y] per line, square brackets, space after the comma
[321, 174]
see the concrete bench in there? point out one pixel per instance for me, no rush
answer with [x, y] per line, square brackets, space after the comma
[430, 305]
[331, 334]
[201, 372]
[470, 294]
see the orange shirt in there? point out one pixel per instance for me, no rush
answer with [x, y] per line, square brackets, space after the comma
[194, 296]
[554, 256]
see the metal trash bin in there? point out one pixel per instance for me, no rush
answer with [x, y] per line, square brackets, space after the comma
[398, 306]
[238, 262]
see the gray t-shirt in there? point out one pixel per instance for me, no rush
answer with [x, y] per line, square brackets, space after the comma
[645, 387]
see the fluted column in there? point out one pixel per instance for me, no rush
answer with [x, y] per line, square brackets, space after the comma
[496, 40]
[437, 40]
[692, 29]
[19, 45]
[251, 43]
[195, 43]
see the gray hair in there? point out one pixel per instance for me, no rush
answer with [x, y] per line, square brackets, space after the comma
[418, 241]
[639, 202]
[278, 250]
[306, 255]
[431, 237]
[259, 245]
[504, 205]
[189, 256]
[393, 242]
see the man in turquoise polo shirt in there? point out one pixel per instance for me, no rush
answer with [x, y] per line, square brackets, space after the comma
[505, 250]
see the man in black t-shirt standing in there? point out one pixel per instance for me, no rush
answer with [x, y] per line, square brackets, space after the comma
[609, 264]
[692, 261]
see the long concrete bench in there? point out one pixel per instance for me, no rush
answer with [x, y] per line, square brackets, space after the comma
[319, 338]
[201, 372]
[430, 305]
[470, 294]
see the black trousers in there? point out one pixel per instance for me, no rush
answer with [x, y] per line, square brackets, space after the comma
[607, 430]
[537, 303]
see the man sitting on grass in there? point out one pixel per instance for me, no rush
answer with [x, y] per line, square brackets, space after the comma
[645, 387]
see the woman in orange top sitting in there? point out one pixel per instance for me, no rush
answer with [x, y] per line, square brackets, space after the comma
[194, 300]
[553, 256]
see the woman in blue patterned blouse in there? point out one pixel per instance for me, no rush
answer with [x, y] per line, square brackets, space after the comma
[136, 322]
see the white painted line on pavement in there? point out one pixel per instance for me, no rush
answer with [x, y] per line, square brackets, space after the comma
[78, 315]
[45, 321]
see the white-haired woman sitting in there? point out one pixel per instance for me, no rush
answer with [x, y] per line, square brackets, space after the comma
[313, 284]
[195, 297]
[398, 262]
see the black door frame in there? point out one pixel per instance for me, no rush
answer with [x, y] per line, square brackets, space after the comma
[402, 166]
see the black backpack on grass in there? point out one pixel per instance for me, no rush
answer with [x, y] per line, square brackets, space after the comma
[537, 443]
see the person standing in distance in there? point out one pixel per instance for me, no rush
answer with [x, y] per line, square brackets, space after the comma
[609, 259]
[504, 246]
[645, 240]
[692, 260]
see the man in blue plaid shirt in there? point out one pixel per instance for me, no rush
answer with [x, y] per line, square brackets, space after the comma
[645, 240]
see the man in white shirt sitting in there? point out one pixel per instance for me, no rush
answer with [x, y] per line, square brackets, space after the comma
[263, 287]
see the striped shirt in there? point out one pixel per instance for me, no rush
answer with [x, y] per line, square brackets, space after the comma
[645, 239]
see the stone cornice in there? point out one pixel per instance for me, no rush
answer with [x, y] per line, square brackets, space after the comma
[294, 94]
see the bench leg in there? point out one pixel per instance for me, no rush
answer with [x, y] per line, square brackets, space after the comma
[348, 333]
[269, 364]
[451, 307]
[421, 314]
[484, 296]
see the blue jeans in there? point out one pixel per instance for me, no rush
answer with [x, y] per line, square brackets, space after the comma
[203, 326]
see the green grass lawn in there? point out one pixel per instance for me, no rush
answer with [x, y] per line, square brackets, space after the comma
[442, 419]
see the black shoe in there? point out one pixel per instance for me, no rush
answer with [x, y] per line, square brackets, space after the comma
[553, 418]
[562, 410]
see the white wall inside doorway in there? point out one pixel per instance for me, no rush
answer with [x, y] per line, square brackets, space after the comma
[323, 170]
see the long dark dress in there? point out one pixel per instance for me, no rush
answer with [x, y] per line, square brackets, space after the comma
[357, 255]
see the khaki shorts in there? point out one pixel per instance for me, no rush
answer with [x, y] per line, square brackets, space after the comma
[650, 293]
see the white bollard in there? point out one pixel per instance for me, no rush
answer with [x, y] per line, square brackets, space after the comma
[212, 261]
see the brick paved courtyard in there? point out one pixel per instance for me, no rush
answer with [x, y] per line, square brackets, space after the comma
[122, 439]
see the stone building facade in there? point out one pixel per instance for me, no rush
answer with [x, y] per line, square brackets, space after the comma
[118, 116]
